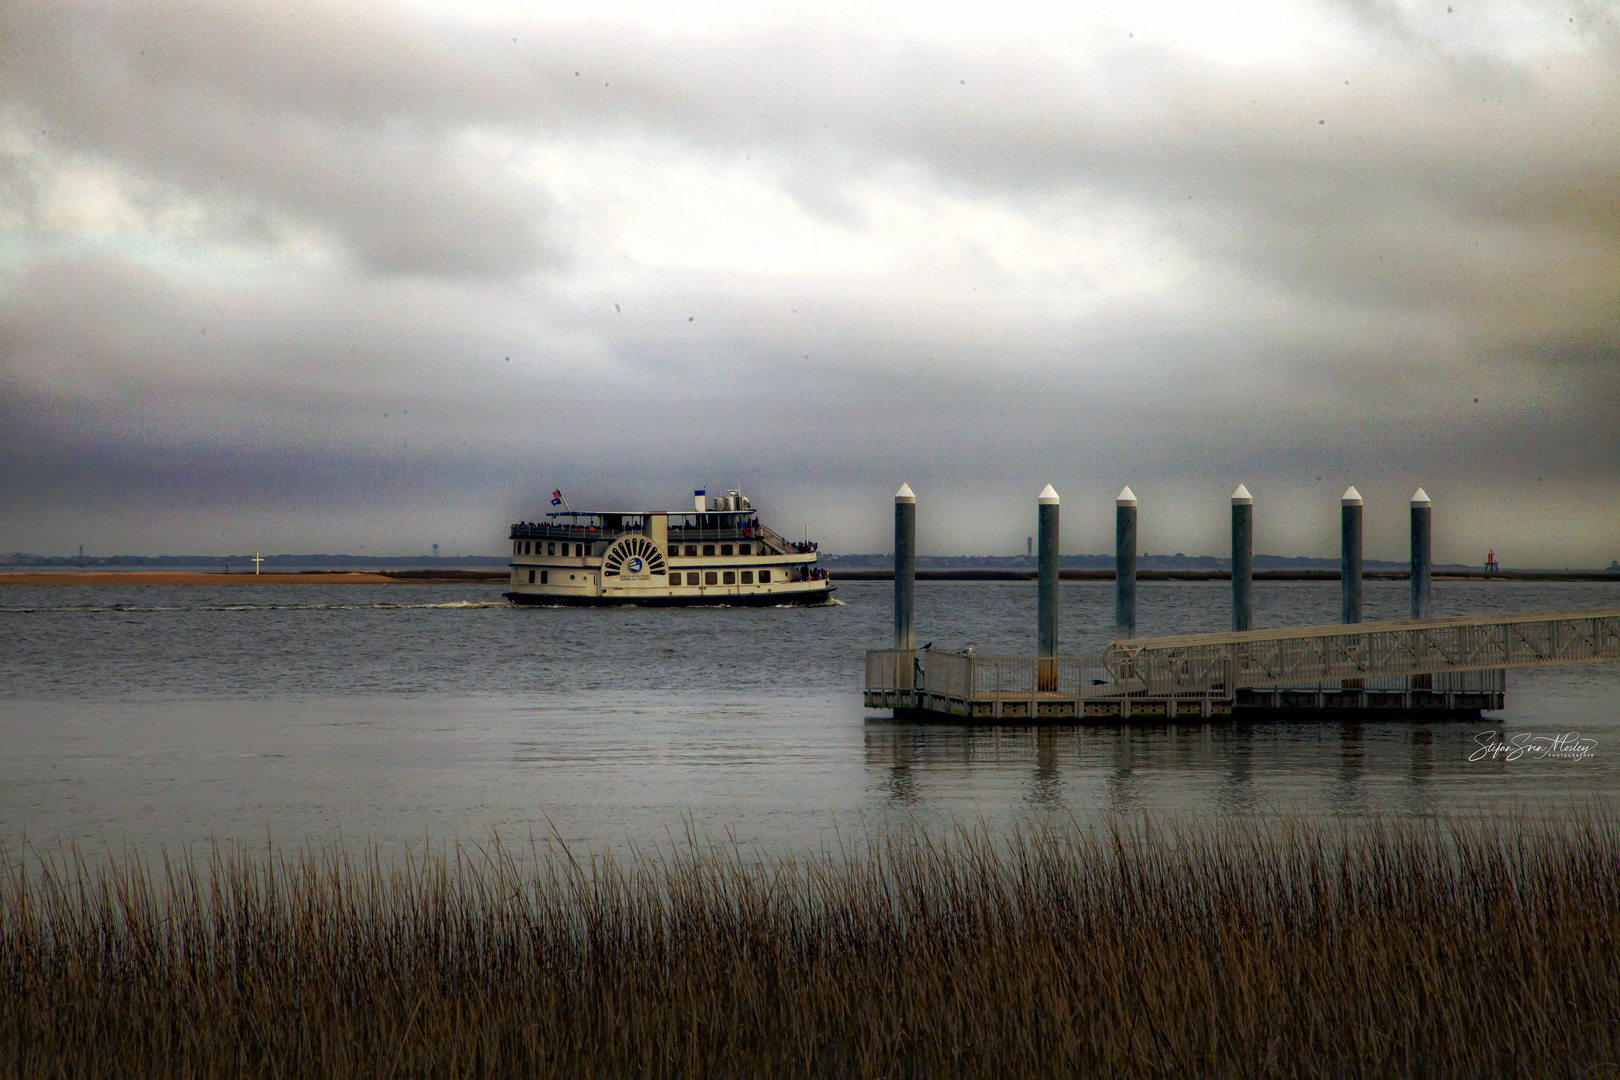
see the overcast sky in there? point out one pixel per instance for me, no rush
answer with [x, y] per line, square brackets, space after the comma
[312, 276]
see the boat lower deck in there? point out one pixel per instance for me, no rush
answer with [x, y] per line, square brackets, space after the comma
[780, 598]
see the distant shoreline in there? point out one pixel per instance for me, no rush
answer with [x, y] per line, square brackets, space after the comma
[487, 577]
[303, 577]
[1226, 575]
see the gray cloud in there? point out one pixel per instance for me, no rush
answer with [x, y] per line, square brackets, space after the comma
[1373, 242]
[359, 122]
[283, 112]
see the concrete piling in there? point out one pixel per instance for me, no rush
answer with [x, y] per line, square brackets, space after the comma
[1047, 599]
[1125, 565]
[1422, 558]
[905, 567]
[1350, 506]
[1242, 557]
[1046, 614]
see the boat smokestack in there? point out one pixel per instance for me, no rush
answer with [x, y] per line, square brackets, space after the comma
[700, 500]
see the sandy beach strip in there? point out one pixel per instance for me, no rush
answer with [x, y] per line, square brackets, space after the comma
[180, 577]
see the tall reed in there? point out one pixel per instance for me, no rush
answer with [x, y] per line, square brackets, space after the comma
[1149, 949]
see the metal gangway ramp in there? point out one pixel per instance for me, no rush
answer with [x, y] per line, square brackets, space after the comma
[1452, 664]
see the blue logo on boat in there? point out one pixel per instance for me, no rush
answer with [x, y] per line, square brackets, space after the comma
[635, 564]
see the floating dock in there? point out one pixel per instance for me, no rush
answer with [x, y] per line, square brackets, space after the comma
[1449, 667]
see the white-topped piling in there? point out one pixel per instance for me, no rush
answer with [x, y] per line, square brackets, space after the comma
[1350, 507]
[905, 567]
[1242, 557]
[1125, 564]
[1422, 554]
[1046, 602]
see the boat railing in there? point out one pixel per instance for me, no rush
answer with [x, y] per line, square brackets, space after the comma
[536, 530]
[687, 536]
[529, 530]
[758, 533]
[792, 546]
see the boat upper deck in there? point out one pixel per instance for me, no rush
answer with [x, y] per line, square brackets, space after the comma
[688, 527]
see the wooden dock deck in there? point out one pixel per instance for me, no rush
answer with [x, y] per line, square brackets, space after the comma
[1450, 666]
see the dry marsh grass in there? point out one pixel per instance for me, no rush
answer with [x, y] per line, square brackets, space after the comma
[1389, 950]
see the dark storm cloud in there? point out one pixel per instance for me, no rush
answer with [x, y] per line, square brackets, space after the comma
[1376, 184]
[1373, 240]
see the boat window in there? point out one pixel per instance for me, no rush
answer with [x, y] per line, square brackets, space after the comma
[725, 549]
[745, 549]
[730, 577]
[579, 549]
[543, 576]
[711, 578]
[691, 578]
[551, 549]
[708, 549]
[691, 549]
[748, 577]
[517, 548]
[531, 577]
[764, 577]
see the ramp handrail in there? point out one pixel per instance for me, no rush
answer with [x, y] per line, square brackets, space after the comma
[1372, 650]
[1209, 665]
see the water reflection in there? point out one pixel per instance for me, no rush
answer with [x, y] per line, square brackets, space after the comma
[1349, 768]
[1235, 793]
[1352, 759]
[902, 784]
[1046, 790]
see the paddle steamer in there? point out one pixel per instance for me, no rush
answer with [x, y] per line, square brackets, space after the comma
[715, 553]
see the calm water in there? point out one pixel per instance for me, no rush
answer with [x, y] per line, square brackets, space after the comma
[169, 715]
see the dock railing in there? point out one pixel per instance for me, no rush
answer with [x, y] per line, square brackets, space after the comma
[966, 676]
[891, 669]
